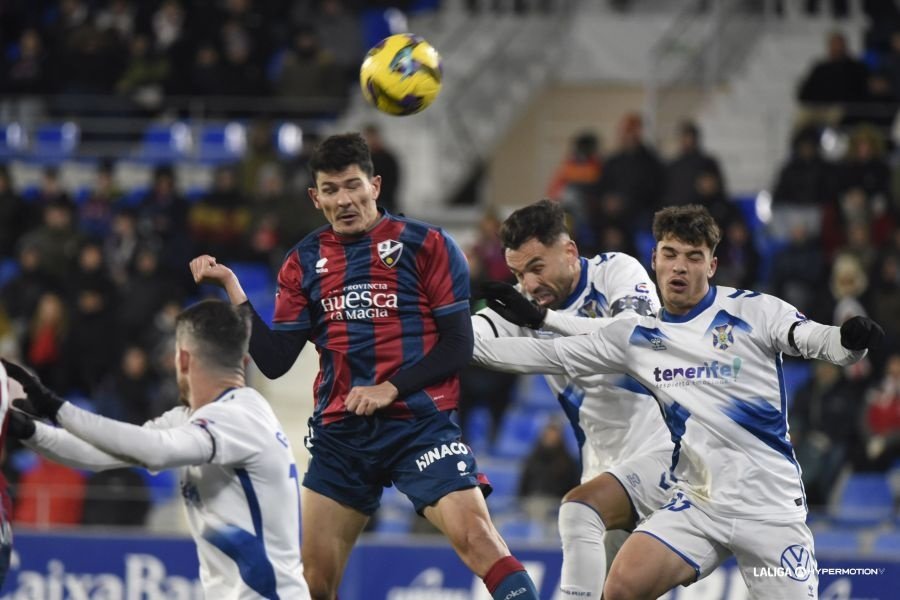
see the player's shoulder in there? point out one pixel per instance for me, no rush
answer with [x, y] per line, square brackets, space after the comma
[613, 263]
[748, 300]
[236, 403]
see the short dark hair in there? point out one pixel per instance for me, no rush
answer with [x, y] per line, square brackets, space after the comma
[338, 152]
[220, 332]
[544, 220]
[690, 223]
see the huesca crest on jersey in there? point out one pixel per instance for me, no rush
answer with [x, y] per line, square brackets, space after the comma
[389, 252]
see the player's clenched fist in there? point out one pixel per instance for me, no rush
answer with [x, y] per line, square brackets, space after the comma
[205, 269]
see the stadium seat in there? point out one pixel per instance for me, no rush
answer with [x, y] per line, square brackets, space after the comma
[13, 140]
[518, 433]
[163, 486]
[533, 391]
[477, 429]
[864, 500]
[394, 521]
[886, 545]
[221, 143]
[796, 374]
[259, 285]
[837, 543]
[55, 141]
[9, 268]
[391, 497]
[521, 529]
[504, 478]
[166, 143]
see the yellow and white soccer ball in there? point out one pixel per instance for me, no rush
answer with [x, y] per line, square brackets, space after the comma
[401, 74]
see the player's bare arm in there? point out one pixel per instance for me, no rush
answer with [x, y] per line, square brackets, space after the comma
[205, 269]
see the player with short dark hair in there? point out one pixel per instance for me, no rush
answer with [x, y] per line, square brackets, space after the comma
[385, 300]
[625, 451]
[712, 359]
[236, 466]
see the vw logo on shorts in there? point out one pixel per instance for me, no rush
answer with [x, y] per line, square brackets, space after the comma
[797, 562]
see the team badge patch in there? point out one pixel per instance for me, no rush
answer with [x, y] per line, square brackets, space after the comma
[722, 336]
[389, 252]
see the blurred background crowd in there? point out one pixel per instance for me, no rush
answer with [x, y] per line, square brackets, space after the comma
[93, 273]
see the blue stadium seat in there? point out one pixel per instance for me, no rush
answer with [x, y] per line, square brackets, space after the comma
[166, 143]
[392, 497]
[163, 486]
[837, 542]
[13, 140]
[885, 545]
[259, 285]
[55, 141]
[533, 391]
[521, 529]
[9, 268]
[796, 374]
[504, 478]
[394, 521]
[518, 433]
[221, 143]
[477, 429]
[864, 500]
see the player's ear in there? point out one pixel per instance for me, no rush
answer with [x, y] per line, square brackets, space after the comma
[182, 360]
[376, 186]
[314, 196]
[712, 267]
[653, 259]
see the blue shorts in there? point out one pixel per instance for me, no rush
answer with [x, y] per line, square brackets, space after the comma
[353, 460]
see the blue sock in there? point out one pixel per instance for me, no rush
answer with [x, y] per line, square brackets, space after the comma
[508, 580]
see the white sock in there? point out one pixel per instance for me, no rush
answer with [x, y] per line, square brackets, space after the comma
[584, 554]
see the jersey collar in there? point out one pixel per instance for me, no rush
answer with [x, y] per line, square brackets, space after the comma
[582, 283]
[705, 303]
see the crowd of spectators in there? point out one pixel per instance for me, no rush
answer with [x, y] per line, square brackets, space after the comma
[97, 280]
[142, 54]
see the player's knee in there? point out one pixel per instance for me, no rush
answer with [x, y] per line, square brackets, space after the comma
[321, 587]
[626, 584]
[621, 588]
[578, 521]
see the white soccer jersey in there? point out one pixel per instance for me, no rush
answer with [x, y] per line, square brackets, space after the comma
[237, 477]
[615, 419]
[716, 372]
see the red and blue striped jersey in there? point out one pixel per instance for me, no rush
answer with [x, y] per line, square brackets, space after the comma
[369, 304]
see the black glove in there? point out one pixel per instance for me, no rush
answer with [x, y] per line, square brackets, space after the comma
[21, 426]
[46, 403]
[510, 304]
[860, 333]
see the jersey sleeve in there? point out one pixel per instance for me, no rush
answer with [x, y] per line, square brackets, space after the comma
[488, 324]
[780, 317]
[790, 332]
[444, 273]
[628, 287]
[233, 430]
[290, 299]
[602, 351]
[156, 448]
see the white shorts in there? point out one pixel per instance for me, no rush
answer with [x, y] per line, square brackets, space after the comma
[776, 560]
[645, 481]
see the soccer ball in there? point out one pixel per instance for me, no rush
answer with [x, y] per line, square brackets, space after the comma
[401, 74]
